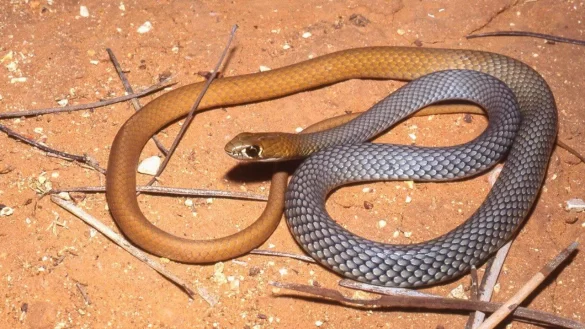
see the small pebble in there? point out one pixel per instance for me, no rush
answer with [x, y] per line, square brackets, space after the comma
[218, 276]
[409, 183]
[234, 283]
[318, 323]
[458, 292]
[494, 174]
[407, 234]
[83, 11]
[396, 234]
[412, 136]
[359, 20]
[306, 35]
[65, 196]
[368, 205]
[209, 200]
[367, 190]
[497, 288]
[381, 224]
[286, 46]
[254, 270]
[189, 203]
[361, 295]
[575, 205]
[264, 68]
[144, 28]
[6, 211]
[149, 166]
[63, 102]
[283, 271]
[400, 32]
[38, 130]
[408, 199]
[298, 129]
[15, 80]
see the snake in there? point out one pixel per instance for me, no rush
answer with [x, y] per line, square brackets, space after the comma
[519, 181]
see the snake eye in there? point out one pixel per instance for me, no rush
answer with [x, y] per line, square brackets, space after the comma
[252, 151]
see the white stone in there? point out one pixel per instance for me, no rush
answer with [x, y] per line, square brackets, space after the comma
[575, 205]
[149, 166]
[83, 11]
[144, 28]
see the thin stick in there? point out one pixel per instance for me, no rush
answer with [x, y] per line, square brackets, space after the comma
[84, 159]
[171, 191]
[474, 283]
[134, 101]
[570, 150]
[191, 114]
[282, 254]
[19, 114]
[527, 34]
[81, 289]
[474, 294]
[347, 283]
[511, 304]
[489, 280]
[120, 241]
[6, 170]
[431, 303]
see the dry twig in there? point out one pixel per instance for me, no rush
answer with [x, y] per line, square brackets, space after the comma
[171, 191]
[347, 283]
[512, 303]
[119, 240]
[488, 283]
[282, 254]
[134, 101]
[84, 159]
[81, 288]
[547, 37]
[431, 303]
[191, 114]
[111, 101]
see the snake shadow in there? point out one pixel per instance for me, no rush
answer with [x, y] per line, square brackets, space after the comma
[254, 172]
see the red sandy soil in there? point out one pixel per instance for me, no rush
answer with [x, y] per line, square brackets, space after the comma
[62, 56]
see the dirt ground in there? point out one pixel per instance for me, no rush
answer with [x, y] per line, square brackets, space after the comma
[45, 252]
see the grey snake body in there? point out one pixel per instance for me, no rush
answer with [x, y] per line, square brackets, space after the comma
[496, 220]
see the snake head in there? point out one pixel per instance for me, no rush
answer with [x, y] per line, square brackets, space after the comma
[259, 147]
